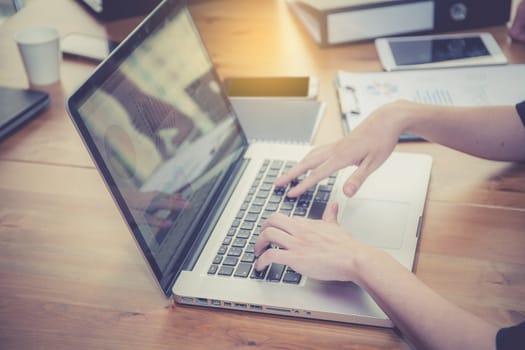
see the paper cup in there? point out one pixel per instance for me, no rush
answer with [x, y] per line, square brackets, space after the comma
[40, 51]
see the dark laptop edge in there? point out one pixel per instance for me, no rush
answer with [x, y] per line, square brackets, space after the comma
[105, 68]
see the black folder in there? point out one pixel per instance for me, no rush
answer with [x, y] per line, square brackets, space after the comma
[18, 106]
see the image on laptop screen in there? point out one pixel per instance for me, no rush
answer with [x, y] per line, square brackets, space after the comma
[164, 129]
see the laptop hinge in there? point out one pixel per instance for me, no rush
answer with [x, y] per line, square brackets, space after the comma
[223, 197]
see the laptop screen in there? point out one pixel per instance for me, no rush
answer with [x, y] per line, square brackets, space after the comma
[161, 131]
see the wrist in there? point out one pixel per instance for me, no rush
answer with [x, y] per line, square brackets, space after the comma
[405, 115]
[398, 116]
[369, 262]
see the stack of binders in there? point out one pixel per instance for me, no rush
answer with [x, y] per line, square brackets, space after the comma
[333, 22]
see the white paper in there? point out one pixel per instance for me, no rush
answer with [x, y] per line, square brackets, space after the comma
[361, 93]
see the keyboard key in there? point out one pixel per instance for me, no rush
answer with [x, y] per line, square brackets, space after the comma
[324, 188]
[303, 203]
[258, 275]
[255, 209]
[317, 210]
[235, 251]
[250, 248]
[279, 191]
[322, 196]
[277, 164]
[251, 217]
[292, 277]
[290, 199]
[225, 271]
[299, 211]
[275, 199]
[239, 242]
[248, 258]
[262, 194]
[247, 225]
[275, 273]
[287, 206]
[273, 172]
[271, 207]
[213, 269]
[270, 179]
[266, 186]
[286, 212]
[230, 261]
[243, 270]
[244, 234]
[259, 201]
[266, 215]
[218, 259]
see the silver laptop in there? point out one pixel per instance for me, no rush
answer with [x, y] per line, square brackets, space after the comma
[194, 192]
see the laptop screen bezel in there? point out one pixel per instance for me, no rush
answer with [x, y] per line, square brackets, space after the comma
[165, 10]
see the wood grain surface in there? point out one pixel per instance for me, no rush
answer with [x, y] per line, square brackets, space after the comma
[71, 276]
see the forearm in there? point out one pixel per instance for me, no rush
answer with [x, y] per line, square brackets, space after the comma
[425, 318]
[491, 132]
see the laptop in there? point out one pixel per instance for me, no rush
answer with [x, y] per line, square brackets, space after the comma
[194, 191]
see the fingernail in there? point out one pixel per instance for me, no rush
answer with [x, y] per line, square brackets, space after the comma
[350, 189]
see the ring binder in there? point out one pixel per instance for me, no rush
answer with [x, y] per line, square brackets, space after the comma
[348, 100]
[335, 22]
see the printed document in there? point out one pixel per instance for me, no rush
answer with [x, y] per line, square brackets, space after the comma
[361, 93]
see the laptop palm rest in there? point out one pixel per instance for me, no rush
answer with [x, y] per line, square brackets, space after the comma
[379, 223]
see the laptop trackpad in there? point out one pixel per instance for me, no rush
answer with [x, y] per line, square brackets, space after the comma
[378, 223]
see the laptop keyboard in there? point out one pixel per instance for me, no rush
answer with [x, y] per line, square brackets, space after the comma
[236, 256]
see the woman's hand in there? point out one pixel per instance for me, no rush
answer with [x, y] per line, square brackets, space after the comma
[367, 147]
[319, 249]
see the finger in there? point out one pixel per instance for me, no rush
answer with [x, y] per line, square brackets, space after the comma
[270, 256]
[330, 213]
[322, 171]
[311, 160]
[354, 182]
[272, 236]
[281, 222]
[296, 171]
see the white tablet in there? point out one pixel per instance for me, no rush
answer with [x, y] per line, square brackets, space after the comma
[439, 51]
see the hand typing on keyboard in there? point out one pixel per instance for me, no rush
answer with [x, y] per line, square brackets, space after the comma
[360, 147]
[235, 257]
[320, 249]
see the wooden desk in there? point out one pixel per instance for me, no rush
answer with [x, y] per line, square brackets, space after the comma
[72, 278]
